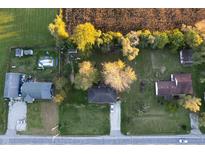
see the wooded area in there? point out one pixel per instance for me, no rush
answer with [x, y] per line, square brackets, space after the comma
[125, 20]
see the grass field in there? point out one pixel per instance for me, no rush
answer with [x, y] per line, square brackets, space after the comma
[150, 67]
[21, 27]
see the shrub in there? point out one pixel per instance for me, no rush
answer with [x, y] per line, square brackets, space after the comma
[146, 38]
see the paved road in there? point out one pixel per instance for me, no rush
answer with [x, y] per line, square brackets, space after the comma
[115, 120]
[100, 140]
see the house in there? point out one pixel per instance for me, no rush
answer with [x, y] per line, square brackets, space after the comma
[186, 57]
[180, 84]
[17, 86]
[102, 95]
[37, 91]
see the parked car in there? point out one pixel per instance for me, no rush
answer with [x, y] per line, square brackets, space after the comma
[183, 141]
[111, 108]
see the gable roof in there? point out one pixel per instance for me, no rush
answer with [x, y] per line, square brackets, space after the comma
[102, 95]
[36, 90]
[179, 84]
[12, 84]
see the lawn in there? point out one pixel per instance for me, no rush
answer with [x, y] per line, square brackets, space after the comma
[21, 27]
[77, 117]
[151, 66]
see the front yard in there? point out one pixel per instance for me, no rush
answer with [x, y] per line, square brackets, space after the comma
[142, 112]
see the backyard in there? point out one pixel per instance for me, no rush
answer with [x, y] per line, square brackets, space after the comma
[144, 113]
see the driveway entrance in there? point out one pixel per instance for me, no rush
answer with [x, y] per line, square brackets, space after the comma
[115, 119]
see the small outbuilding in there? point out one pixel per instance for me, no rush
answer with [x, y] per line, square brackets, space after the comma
[46, 61]
[19, 52]
[186, 57]
[102, 95]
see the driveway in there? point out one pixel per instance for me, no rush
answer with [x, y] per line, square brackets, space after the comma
[194, 119]
[16, 117]
[115, 120]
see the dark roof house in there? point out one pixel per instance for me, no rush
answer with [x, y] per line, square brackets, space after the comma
[12, 85]
[179, 84]
[186, 57]
[102, 95]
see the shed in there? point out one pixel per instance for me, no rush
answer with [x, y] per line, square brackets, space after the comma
[18, 52]
[186, 57]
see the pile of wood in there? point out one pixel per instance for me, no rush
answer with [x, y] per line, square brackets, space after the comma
[125, 20]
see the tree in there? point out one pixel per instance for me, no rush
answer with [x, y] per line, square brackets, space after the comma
[161, 39]
[117, 75]
[60, 84]
[146, 38]
[134, 38]
[85, 36]
[109, 39]
[129, 51]
[191, 103]
[58, 27]
[176, 38]
[86, 76]
[192, 37]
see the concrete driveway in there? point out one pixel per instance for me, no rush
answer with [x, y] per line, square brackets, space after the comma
[194, 119]
[115, 120]
[16, 117]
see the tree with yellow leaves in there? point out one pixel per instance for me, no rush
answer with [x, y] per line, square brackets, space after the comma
[86, 76]
[85, 36]
[58, 27]
[127, 50]
[118, 75]
[191, 103]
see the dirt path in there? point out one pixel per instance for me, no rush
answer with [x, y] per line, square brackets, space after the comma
[49, 114]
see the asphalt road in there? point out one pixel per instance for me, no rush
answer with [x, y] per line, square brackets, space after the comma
[102, 140]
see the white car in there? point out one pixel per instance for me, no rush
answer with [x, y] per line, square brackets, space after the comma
[183, 141]
[112, 108]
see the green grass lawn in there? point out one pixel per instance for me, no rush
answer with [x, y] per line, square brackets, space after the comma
[77, 117]
[151, 66]
[21, 27]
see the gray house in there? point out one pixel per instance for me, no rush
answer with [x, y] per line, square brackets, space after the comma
[12, 85]
[37, 90]
[16, 86]
[102, 95]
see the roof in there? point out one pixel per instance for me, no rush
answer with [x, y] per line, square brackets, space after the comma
[18, 52]
[179, 84]
[37, 90]
[46, 62]
[102, 95]
[186, 56]
[12, 84]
